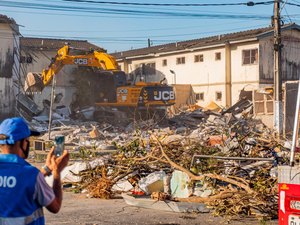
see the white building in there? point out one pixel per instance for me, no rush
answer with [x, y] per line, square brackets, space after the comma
[9, 65]
[218, 67]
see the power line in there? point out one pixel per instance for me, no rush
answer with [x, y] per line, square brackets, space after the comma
[128, 12]
[293, 4]
[119, 9]
[143, 37]
[172, 9]
[102, 15]
[142, 30]
[250, 3]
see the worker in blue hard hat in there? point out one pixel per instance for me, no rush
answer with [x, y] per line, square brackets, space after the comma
[23, 188]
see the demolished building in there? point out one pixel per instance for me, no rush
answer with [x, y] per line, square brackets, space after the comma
[36, 55]
[9, 65]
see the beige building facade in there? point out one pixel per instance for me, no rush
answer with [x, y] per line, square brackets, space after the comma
[219, 67]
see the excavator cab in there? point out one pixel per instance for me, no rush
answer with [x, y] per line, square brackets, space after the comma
[103, 85]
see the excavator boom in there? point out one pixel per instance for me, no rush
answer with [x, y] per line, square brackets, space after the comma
[35, 82]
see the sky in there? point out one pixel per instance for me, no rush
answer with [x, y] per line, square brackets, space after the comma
[120, 25]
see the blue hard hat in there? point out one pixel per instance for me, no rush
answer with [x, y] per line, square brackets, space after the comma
[13, 130]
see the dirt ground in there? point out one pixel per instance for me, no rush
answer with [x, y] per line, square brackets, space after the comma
[77, 209]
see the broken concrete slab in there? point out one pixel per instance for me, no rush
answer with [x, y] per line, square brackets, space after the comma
[179, 184]
[170, 206]
[154, 182]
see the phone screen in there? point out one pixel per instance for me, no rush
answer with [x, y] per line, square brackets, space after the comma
[59, 143]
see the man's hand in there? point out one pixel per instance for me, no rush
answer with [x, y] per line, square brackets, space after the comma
[48, 159]
[59, 163]
[55, 164]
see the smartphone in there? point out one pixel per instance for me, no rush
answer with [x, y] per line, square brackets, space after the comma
[59, 143]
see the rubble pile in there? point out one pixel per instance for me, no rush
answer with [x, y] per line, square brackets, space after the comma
[226, 160]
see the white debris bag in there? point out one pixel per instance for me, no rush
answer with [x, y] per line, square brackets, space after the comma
[122, 185]
[69, 173]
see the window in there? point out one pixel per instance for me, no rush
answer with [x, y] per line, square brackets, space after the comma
[150, 65]
[164, 62]
[200, 96]
[218, 56]
[262, 103]
[198, 58]
[180, 60]
[141, 65]
[218, 96]
[250, 56]
[26, 59]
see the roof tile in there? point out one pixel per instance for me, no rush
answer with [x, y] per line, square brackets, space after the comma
[55, 44]
[196, 43]
[6, 19]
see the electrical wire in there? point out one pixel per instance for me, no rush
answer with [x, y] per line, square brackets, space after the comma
[293, 4]
[143, 30]
[135, 38]
[140, 7]
[174, 4]
[132, 9]
[283, 7]
[128, 12]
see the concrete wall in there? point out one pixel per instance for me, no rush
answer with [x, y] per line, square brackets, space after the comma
[41, 60]
[243, 77]
[8, 68]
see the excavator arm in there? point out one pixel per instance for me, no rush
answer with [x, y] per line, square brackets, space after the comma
[37, 81]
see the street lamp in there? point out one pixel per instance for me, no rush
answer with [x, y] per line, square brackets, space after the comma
[173, 72]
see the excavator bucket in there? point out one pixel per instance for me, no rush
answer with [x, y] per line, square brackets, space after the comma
[34, 82]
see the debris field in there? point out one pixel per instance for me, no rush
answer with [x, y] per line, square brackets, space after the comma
[223, 161]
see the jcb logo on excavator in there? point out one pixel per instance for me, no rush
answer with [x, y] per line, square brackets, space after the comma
[81, 61]
[164, 95]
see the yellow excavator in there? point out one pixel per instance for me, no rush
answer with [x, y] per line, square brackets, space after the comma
[107, 85]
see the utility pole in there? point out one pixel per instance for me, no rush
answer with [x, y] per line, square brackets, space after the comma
[278, 114]
[51, 106]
